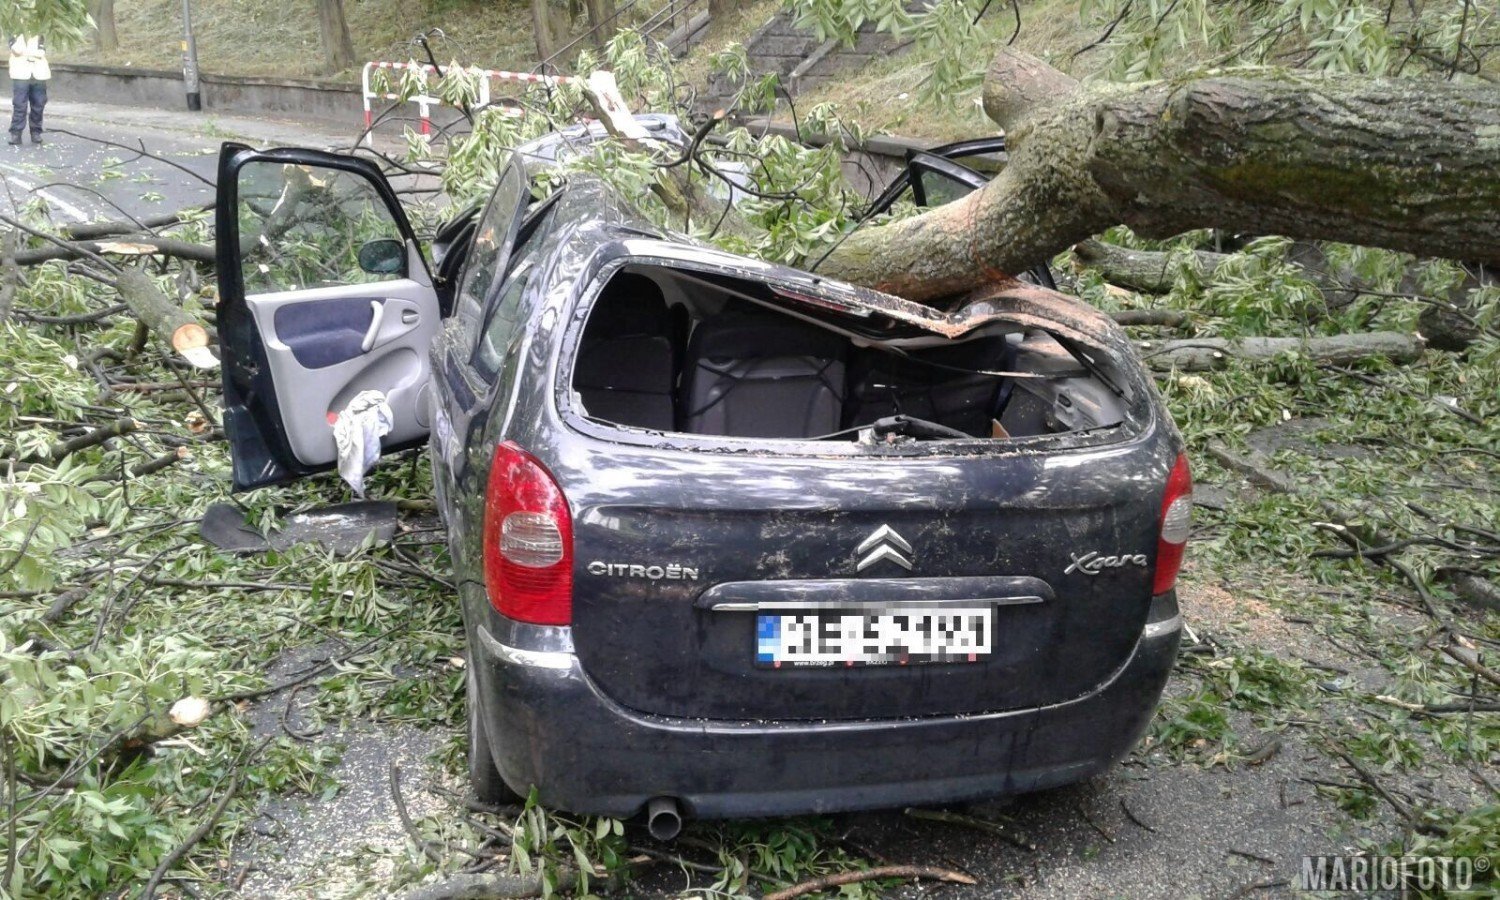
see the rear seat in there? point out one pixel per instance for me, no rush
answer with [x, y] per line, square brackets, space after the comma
[883, 384]
[762, 374]
[626, 360]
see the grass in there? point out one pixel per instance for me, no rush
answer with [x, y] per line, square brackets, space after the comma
[887, 95]
[282, 39]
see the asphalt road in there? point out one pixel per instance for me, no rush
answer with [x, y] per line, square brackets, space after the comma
[112, 163]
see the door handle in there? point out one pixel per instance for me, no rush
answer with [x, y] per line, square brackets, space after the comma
[409, 316]
[368, 343]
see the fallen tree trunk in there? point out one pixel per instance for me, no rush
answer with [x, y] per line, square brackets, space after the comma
[1405, 165]
[1204, 354]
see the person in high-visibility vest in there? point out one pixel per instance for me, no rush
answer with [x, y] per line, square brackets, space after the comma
[29, 74]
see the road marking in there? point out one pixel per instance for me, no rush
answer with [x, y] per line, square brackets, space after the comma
[73, 212]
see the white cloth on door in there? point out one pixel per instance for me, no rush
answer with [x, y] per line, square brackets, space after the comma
[357, 433]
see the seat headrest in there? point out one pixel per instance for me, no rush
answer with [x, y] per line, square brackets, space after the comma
[761, 334]
[630, 305]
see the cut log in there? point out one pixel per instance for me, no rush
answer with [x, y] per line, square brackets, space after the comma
[168, 320]
[1402, 164]
[1205, 354]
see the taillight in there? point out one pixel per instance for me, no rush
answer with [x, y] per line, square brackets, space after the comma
[528, 541]
[1176, 524]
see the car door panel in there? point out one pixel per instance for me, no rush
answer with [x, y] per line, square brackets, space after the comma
[330, 359]
[308, 321]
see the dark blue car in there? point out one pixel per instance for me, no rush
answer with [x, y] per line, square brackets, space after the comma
[731, 539]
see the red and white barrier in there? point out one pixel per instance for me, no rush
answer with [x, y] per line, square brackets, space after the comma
[426, 101]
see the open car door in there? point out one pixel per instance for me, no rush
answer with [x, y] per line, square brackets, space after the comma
[323, 295]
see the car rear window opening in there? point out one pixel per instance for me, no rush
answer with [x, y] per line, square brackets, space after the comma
[671, 351]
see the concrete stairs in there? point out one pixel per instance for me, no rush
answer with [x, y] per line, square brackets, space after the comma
[799, 59]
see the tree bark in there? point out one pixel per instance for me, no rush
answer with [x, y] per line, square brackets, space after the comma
[602, 23]
[550, 33]
[1412, 166]
[1147, 271]
[338, 47]
[106, 37]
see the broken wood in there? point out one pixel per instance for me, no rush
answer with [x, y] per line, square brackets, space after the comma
[1401, 164]
[906, 873]
[1204, 354]
[168, 320]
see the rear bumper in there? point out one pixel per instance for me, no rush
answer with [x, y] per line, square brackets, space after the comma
[550, 726]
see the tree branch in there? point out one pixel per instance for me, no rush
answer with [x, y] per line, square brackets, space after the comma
[1403, 165]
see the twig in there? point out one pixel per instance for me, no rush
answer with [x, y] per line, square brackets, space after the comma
[1255, 856]
[1473, 665]
[406, 822]
[678, 861]
[139, 149]
[1094, 825]
[205, 826]
[908, 873]
[21, 553]
[1396, 803]
[309, 674]
[1134, 818]
[953, 818]
[1257, 886]
[286, 708]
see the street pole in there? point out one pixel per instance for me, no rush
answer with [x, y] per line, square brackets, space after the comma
[190, 60]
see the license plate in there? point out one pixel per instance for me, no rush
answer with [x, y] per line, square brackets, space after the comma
[892, 637]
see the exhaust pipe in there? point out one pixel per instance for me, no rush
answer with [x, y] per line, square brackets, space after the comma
[663, 818]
